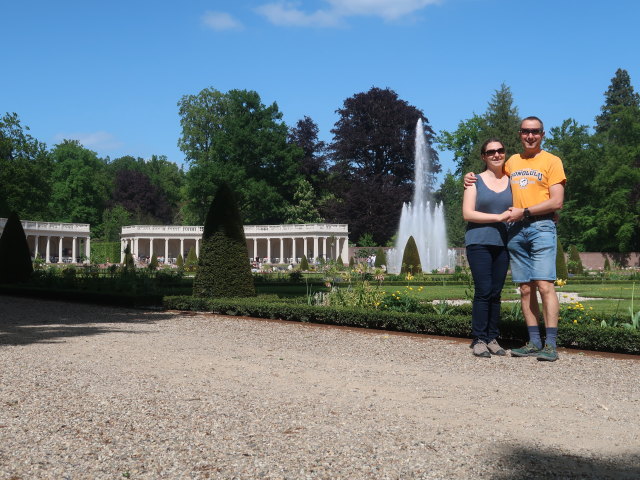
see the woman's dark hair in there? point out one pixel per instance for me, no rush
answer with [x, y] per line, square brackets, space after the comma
[493, 139]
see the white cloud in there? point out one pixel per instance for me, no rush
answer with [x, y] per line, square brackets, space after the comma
[289, 14]
[102, 141]
[220, 21]
[282, 14]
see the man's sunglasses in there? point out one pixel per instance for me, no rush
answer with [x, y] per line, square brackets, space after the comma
[532, 131]
[493, 152]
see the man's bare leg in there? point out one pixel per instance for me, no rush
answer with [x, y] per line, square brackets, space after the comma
[550, 303]
[529, 301]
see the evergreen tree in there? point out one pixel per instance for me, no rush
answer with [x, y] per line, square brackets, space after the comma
[574, 265]
[304, 207]
[607, 264]
[304, 263]
[223, 267]
[620, 94]
[381, 258]
[15, 257]
[180, 261]
[153, 264]
[561, 264]
[192, 260]
[352, 262]
[129, 264]
[411, 258]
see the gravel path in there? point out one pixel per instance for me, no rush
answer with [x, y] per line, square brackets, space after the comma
[107, 393]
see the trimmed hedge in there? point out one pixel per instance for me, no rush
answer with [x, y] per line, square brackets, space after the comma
[103, 251]
[454, 324]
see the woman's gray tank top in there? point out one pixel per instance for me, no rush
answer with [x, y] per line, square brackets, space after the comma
[488, 201]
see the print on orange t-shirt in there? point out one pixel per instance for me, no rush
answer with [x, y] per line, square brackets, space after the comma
[531, 178]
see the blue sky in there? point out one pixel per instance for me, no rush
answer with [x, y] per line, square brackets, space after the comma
[110, 74]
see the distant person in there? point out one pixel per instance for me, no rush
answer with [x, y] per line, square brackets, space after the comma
[485, 206]
[537, 181]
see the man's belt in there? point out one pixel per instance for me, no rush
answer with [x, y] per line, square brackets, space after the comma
[537, 218]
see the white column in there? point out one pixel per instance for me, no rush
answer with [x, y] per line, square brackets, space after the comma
[150, 248]
[255, 248]
[268, 250]
[198, 247]
[48, 250]
[35, 247]
[305, 247]
[166, 250]
[324, 248]
[281, 250]
[59, 249]
[315, 248]
[135, 247]
[293, 249]
[345, 251]
[123, 246]
[73, 249]
[87, 248]
[182, 248]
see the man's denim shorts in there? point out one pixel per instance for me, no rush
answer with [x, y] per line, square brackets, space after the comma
[532, 248]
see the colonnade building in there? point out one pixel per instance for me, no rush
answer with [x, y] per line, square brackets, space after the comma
[265, 243]
[56, 242]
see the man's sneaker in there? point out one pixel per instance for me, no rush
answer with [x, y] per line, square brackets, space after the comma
[495, 349]
[480, 349]
[548, 354]
[529, 350]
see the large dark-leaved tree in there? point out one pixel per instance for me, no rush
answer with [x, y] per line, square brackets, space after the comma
[15, 258]
[373, 162]
[134, 191]
[223, 266]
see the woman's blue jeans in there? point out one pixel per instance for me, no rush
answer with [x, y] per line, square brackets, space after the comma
[489, 265]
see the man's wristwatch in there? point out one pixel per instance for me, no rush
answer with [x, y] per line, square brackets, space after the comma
[527, 214]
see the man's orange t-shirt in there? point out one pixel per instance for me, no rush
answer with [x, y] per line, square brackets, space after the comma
[531, 178]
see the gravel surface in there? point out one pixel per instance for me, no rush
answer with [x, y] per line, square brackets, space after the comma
[110, 393]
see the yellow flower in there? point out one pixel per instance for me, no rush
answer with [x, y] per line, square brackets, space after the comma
[575, 321]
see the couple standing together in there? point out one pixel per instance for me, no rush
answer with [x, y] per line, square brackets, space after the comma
[510, 210]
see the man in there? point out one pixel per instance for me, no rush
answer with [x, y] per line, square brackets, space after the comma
[537, 183]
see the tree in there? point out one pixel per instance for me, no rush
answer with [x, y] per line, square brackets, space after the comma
[223, 267]
[574, 265]
[313, 162]
[561, 264]
[153, 263]
[381, 258]
[304, 207]
[79, 184]
[411, 258]
[113, 219]
[450, 194]
[373, 154]
[15, 258]
[129, 264]
[180, 261]
[619, 95]
[232, 137]
[134, 192]
[192, 260]
[25, 170]
[304, 263]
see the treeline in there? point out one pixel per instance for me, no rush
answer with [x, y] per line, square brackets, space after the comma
[286, 174]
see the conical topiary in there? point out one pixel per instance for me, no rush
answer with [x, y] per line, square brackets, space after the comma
[411, 258]
[153, 264]
[223, 267]
[561, 264]
[304, 263]
[381, 258]
[179, 261]
[192, 260]
[352, 262]
[15, 258]
[575, 264]
[129, 264]
[607, 264]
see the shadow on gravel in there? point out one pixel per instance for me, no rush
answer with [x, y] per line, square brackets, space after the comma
[531, 463]
[24, 321]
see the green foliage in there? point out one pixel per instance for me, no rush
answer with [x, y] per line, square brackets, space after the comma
[381, 258]
[366, 240]
[450, 194]
[223, 267]
[618, 96]
[129, 264]
[295, 276]
[15, 258]
[180, 261]
[304, 263]
[153, 264]
[574, 265]
[232, 137]
[352, 262]
[103, 252]
[561, 264]
[192, 260]
[411, 258]
[304, 207]
[340, 262]
[607, 264]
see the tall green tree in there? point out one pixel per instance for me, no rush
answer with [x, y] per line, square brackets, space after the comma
[232, 137]
[450, 194]
[304, 207]
[80, 184]
[373, 154]
[618, 96]
[25, 170]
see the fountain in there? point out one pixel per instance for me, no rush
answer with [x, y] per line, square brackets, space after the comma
[422, 218]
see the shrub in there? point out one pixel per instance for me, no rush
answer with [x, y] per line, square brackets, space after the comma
[15, 258]
[223, 269]
[102, 252]
[352, 262]
[561, 264]
[339, 262]
[381, 258]
[607, 265]
[304, 263]
[192, 260]
[179, 261]
[129, 265]
[574, 265]
[411, 257]
[153, 264]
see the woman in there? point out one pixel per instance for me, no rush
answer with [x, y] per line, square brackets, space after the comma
[485, 206]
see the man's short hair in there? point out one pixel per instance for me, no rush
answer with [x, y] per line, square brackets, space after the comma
[533, 118]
